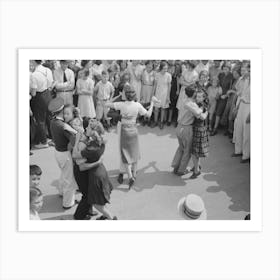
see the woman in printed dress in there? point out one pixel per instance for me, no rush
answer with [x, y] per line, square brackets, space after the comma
[84, 88]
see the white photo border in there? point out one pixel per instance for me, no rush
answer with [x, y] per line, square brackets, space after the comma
[254, 55]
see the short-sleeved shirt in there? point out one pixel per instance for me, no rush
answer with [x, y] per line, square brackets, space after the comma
[130, 110]
[61, 137]
[41, 79]
[202, 67]
[87, 84]
[189, 111]
[104, 90]
[59, 78]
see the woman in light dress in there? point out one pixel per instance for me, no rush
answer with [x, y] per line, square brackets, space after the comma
[148, 78]
[135, 70]
[162, 89]
[85, 86]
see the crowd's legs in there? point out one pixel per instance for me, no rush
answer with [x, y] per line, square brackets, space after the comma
[39, 106]
[241, 136]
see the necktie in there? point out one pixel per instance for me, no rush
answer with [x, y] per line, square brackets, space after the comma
[64, 77]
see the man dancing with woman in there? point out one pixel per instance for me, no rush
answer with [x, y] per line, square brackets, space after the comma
[99, 185]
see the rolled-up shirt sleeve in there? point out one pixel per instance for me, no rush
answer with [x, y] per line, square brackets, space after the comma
[194, 109]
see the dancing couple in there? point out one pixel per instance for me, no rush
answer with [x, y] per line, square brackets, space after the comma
[86, 167]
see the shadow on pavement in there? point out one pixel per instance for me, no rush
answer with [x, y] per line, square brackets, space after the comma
[61, 217]
[55, 183]
[52, 204]
[237, 189]
[157, 131]
[158, 177]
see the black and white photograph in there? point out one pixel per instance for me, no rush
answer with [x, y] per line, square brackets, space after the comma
[153, 139]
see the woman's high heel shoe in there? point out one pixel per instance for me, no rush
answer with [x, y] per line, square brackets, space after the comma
[131, 183]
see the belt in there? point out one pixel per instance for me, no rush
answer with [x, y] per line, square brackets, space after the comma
[65, 90]
[128, 124]
[103, 99]
[42, 91]
[148, 85]
[185, 124]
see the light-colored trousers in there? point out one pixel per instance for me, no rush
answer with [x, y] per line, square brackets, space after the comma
[67, 184]
[122, 165]
[241, 134]
[67, 96]
[183, 154]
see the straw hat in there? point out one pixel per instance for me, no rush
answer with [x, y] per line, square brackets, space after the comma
[192, 207]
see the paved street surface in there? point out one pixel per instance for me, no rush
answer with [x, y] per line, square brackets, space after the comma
[224, 184]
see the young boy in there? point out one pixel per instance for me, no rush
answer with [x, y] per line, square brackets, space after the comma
[36, 203]
[103, 90]
[35, 173]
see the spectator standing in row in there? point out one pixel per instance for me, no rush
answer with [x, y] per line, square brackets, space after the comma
[64, 82]
[41, 84]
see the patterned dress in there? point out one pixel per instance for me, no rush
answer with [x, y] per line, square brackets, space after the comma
[163, 81]
[200, 142]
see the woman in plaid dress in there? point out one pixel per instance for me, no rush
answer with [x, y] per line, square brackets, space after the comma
[200, 143]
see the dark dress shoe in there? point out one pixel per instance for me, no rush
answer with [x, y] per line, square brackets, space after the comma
[195, 175]
[87, 217]
[213, 133]
[161, 125]
[102, 218]
[120, 178]
[245, 160]
[175, 170]
[168, 123]
[236, 155]
[131, 182]
[192, 170]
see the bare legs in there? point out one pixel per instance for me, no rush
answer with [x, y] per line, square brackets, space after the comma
[196, 163]
[170, 115]
[217, 121]
[162, 116]
[131, 172]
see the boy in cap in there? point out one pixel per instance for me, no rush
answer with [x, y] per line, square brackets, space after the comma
[61, 138]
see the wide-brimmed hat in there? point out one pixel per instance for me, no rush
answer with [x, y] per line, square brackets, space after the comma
[192, 207]
[56, 105]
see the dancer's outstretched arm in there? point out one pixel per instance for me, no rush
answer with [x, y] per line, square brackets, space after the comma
[150, 111]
